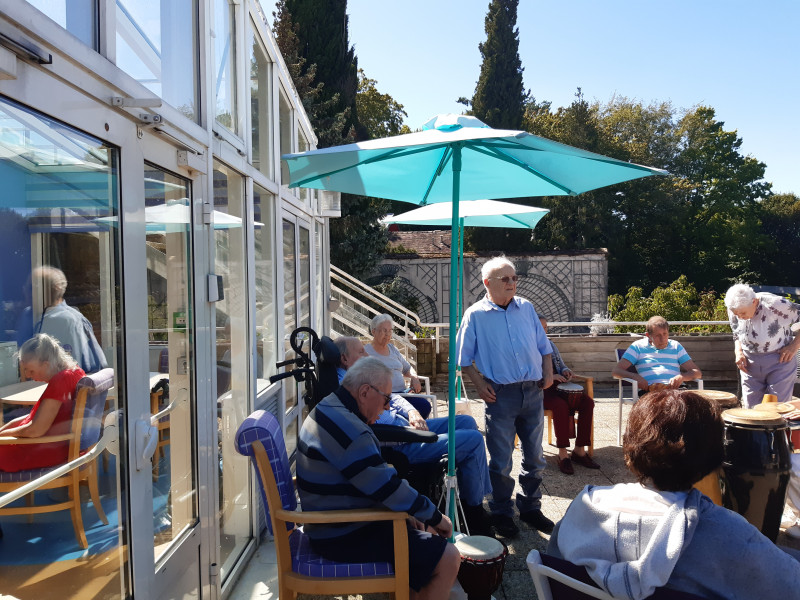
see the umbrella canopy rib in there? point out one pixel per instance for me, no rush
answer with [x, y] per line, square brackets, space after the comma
[448, 152]
[495, 153]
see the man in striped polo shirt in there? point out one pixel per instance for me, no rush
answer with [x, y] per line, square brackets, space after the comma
[658, 359]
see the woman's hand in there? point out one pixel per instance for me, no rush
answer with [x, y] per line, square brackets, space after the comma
[741, 362]
[416, 386]
[789, 351]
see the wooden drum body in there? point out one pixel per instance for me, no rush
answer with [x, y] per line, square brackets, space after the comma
[572, 393]
[483, 560]
[756, 467]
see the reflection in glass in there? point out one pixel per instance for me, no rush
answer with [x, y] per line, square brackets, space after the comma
[289, 306]
[305, 277]
[260, 105]
[224, 64]
[79, 17]
[266, 314]
[232, 356]
[171, 354]
[157, 46]
[59, 208]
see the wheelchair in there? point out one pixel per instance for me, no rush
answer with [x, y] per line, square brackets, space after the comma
[316, 369]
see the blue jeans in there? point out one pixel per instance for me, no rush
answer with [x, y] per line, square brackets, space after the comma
[471, 467]
[519, 410]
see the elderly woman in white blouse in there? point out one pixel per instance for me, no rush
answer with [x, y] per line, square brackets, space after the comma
[380, 347]
[766, 346]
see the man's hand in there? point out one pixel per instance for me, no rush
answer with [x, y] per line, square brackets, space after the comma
[445, 527]
[416, 386]
[486, 392]
[559, 378]
[675, 382]
[643, 385]
[416, 421]
[416, 524]
[547, 380]
[567, 374]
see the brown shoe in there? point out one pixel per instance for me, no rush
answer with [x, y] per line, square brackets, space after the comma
[565, 466]
[585, 461]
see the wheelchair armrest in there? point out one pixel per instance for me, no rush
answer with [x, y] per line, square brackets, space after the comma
[406, 435]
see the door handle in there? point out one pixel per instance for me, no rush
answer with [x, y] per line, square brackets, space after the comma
[146, 440]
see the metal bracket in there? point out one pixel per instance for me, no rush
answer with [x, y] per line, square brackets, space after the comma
[123, 102]
[150, 119]
[208, 212]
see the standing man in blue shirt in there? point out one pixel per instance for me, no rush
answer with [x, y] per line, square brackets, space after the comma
[505, 352]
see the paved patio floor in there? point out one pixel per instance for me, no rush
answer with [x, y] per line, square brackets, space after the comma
[259, 580]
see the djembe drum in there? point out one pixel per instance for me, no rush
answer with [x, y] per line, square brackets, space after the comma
[572, 393]
[483, 560]
[710, 484]
[756, 466]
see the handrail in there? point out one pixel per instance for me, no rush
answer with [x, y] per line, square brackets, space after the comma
[154, 419]
[109, 436]
[338, 273]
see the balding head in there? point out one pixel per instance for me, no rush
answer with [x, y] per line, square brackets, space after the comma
[351, 349]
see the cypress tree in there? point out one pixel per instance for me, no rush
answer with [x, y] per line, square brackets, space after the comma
[499, 99]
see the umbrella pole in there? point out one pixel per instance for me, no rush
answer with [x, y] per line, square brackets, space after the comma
[451, 379]
[460, 287]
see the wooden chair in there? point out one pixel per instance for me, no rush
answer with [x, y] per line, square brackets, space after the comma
[588, 386]
[558, 579]
[87, 425]
[300, 569]
[634, 390]
[156, 405]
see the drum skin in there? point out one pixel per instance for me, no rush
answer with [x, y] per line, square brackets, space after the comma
[483, 561]
[755, 470]
[572, 393]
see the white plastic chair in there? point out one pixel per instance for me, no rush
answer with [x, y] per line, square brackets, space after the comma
[634, 391]
[426, 381]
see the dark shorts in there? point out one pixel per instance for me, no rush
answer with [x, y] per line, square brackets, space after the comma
[373, 543]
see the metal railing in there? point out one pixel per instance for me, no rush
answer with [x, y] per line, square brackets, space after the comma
[359, 303]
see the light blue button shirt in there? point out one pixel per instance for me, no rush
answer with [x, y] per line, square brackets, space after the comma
[507, 346]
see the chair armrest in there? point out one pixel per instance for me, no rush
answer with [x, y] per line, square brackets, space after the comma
[633, 382]
[340, 516]
[420, 395]
[427, 381]
[45, 439]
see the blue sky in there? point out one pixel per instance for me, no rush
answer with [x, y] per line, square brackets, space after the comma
[741, 58]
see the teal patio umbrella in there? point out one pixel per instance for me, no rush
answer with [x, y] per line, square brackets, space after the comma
[457, 158]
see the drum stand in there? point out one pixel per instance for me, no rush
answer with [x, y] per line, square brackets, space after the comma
[451, 483]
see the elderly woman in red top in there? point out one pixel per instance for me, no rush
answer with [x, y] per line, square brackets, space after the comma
[43, 359]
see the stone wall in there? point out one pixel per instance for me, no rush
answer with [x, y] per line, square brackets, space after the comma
[562, 286]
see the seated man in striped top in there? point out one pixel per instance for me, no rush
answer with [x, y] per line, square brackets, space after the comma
[339, 465]
[659, 361]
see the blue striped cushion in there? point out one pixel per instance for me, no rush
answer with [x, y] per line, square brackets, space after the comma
[24, 476]
[306, 562]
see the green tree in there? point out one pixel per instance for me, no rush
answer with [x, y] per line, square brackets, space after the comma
[328, 124]
[499, 99]
[722, 189]
[323, 41]
[780, 223]
[380, 114]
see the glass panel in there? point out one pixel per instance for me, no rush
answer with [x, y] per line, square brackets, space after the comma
[157, 46]
[302, 146]
[319, 277]
[289, 305]
[285, 128]
[232, 352]
[266, 311]
[224, 64]
[305, 277]
[260, 105]
[79, 17]
[60, 247]
[171, 354]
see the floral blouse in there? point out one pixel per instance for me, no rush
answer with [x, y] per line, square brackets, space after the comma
[770, 328]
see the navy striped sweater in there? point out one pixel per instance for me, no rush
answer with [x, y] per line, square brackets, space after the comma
[339, 466]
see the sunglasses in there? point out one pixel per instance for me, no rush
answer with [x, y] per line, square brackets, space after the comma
[387, 398]
[506, 279]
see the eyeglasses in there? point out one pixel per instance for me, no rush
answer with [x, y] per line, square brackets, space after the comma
[387, 398]
[506, 279]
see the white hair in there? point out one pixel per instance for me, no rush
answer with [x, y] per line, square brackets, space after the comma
[342, 344]
[493, 264]
[739, 296]
[369, 370]
[377, 320]
[46, 349]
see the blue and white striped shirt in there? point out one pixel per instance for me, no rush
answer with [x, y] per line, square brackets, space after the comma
[656, 366]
